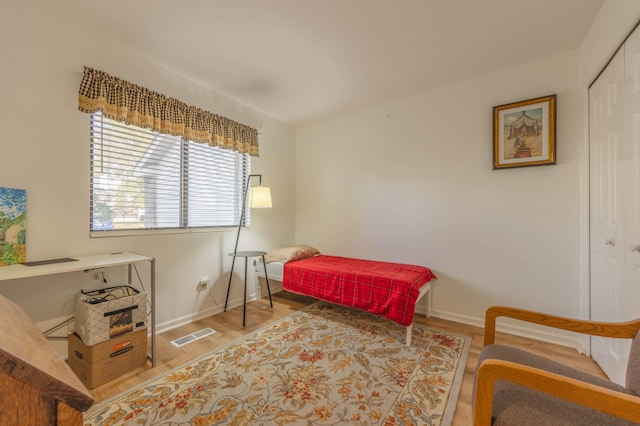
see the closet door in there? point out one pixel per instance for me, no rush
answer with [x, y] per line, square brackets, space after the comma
[632, 177]
[607, 211]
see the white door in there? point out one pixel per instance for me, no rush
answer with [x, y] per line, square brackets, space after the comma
[607, 213]
[632, 176]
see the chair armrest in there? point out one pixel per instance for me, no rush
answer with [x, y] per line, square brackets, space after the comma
[623, 330]
[609, 401]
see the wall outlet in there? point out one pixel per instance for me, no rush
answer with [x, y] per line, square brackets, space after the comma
[203, 284]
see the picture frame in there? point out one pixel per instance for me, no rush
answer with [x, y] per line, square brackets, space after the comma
[524, 133]
[13, 212]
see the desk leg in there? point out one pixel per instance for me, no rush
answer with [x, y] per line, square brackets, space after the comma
[244, 303]
[153, 312]
[233, 262]
[152, 296]
[266, 277]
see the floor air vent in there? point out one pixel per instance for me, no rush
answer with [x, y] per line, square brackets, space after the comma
[181, 341]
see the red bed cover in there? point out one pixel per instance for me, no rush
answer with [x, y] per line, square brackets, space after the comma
[382, 288]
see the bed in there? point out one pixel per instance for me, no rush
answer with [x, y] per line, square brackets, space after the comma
[382, 288]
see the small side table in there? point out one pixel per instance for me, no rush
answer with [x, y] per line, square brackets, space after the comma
[246, 255]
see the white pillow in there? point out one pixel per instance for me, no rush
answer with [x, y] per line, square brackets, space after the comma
[288, 254]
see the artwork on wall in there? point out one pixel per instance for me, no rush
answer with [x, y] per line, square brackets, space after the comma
[13, 210]
[524, 133]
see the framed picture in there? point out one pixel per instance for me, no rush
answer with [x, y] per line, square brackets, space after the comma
[524, 133]
[13, 211]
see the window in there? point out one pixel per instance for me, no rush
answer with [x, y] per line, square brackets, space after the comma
[145, 180]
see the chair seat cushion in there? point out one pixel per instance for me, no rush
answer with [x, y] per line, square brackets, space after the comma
[514, 404]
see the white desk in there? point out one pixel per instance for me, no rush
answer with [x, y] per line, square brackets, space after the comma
[19, 271]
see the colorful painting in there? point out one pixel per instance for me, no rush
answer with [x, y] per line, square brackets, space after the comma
[524, 133]
[13, 211]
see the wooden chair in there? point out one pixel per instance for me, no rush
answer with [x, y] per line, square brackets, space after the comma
[36, 386]
[515, 387]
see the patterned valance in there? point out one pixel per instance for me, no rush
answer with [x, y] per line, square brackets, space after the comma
[123, 101]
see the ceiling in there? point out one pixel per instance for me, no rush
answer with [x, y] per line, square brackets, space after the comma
[301, 60]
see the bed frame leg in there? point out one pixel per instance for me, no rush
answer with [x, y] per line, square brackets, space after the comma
[428, 301]
[409, 334]
[427, 297]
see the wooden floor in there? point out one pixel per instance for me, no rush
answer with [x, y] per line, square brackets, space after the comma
[228, 329]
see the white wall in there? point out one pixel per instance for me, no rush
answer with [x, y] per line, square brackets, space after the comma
[45, 150]
[613, 23]
[411, 181]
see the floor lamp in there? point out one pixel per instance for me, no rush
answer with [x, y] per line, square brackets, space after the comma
[260, 197]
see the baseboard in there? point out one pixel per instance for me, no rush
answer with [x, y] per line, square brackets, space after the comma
[544, 334]
[188, 319]
[274, 285]
[453, 317]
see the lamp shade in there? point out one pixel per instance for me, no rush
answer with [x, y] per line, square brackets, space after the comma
[260, 197]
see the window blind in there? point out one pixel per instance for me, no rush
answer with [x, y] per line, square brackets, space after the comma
[141, 179]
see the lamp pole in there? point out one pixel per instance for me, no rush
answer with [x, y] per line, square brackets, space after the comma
[235, 248]
[242, 213]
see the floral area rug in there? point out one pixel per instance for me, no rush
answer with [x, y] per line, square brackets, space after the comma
[325, 364]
